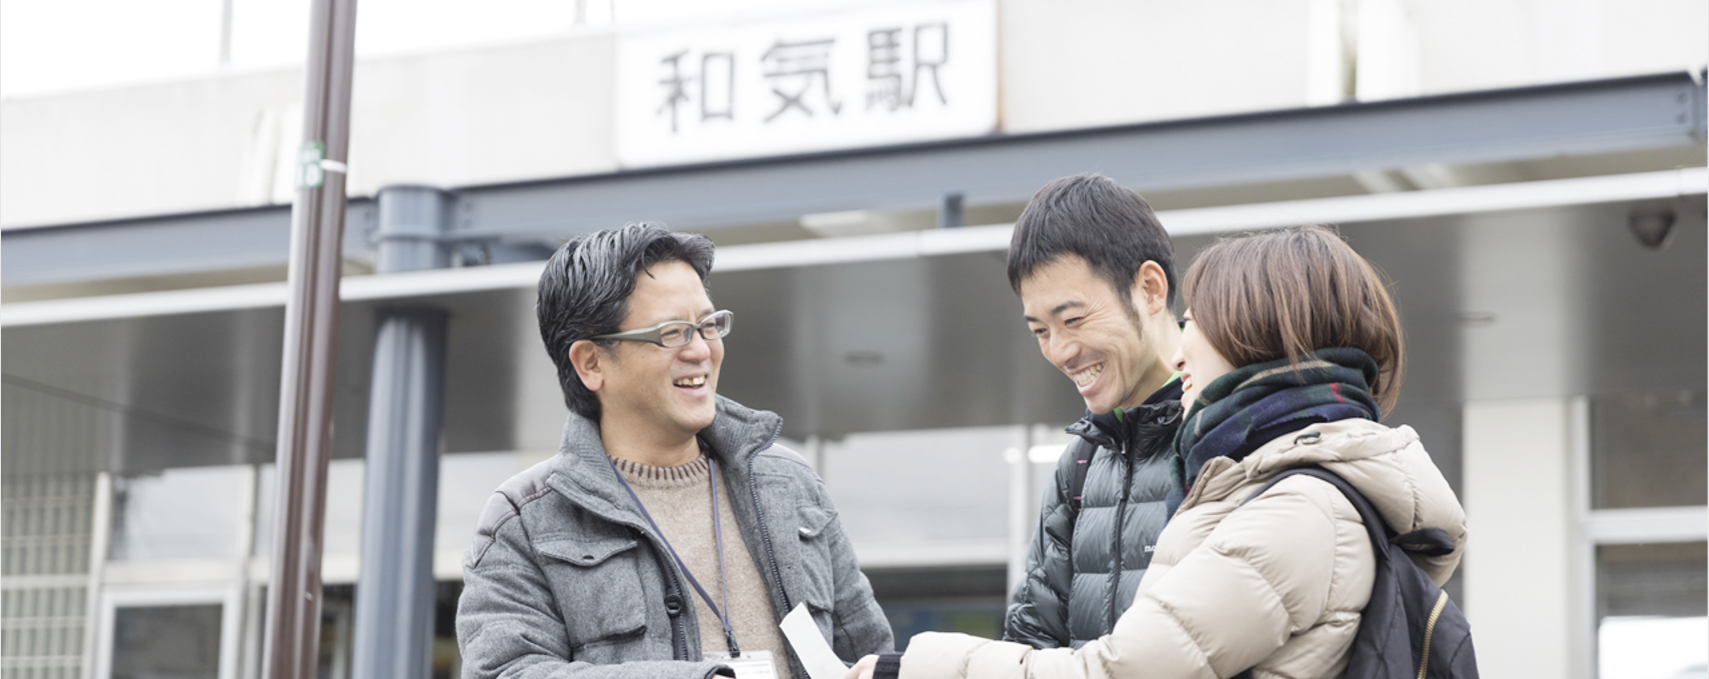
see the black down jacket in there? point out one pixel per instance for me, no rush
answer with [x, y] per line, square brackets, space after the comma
[1083, 568]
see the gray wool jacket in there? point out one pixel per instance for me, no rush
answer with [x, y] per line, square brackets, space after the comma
[565, 578]
[1084, 567]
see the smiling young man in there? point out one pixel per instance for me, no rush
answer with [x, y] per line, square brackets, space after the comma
[670, 534]
[1096, 275]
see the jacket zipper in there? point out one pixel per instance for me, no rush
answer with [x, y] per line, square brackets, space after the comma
[681, 623]
[1429, 629]
[1121, 520]
[759, 514]
[680, 636]
[765, 535]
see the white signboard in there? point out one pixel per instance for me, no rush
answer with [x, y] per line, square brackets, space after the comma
[772, 86]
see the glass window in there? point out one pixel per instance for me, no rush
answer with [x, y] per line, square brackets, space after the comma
[966, 600]
[189, 513]
[152, 642]
[1651, 610]
[447, 661]
[337, 631]
[1647, 450]
[335, 652]
[979, 618]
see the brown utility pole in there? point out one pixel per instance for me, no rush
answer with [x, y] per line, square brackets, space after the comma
[311, 337]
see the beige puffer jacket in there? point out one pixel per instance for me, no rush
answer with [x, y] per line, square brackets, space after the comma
[1276, 585]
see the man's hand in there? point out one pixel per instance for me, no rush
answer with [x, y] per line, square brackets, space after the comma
[862, 669]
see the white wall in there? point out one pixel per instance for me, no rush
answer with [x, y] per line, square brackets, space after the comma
[543, 109]
[484, 116]
[1083, 63]
[487, 115]
[134, 151]
[1477, 44]
[1518, 569]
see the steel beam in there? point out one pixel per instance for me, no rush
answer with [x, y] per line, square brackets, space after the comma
[1529, 123]
[1582, 118]
[161, 245]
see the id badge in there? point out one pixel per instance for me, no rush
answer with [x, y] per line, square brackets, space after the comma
[751, 664]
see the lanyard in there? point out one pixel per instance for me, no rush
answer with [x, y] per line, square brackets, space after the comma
[718, 538]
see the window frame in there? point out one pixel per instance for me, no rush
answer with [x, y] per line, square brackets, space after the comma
[1593, 528]
[225, 596]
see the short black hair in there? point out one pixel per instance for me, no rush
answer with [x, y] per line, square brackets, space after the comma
[1106, 224]
[585, 290]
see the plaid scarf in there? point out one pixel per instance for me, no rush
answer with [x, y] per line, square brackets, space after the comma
[1240, 411]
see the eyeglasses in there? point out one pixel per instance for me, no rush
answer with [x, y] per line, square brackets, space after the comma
[674, 334]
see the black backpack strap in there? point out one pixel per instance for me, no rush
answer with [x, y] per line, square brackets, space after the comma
[1374, 524]
[1082, 450]
[1406, 610]
[1429, 541]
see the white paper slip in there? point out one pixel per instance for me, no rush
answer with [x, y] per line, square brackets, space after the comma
[810, 646]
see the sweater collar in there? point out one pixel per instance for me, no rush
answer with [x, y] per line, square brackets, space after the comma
[581, 469]
[639, 475]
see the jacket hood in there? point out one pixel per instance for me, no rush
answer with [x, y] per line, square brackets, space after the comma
[1388, 465]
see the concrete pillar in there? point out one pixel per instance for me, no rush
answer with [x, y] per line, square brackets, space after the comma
[1523, 566]
[394, 594]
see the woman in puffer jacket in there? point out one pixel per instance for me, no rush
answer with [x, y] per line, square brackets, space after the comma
[1290, 353]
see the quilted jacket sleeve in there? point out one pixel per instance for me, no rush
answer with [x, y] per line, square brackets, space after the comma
[508, 626]
[1262, 574]
[1038, 608]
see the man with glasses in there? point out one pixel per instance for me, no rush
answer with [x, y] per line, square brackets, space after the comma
[670, 534]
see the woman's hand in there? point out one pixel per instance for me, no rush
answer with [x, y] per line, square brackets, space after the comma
[862, 669]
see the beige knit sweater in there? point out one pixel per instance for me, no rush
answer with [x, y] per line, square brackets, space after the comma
[680, 500]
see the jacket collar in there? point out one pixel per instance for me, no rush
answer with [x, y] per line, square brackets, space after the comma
[582, 472]
[1162, 409]
[1338, 444]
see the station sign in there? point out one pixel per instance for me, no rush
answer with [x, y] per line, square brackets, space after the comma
[797, 83]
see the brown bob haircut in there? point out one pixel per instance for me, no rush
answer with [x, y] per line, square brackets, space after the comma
[1263, 296]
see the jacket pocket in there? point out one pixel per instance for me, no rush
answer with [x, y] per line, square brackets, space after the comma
[597, 582]
[818, 567]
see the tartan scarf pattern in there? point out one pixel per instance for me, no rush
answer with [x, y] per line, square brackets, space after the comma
[1264, 397]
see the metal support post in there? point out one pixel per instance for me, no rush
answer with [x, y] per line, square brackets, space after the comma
[950, 213]
[394, 595]
[1023, 517]
[310, 351]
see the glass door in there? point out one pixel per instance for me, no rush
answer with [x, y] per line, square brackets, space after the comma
[167, 633]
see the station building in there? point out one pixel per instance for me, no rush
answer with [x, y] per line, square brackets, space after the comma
[1530, 175]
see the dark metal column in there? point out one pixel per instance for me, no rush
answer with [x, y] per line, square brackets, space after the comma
[394, 595]
[310, 351]
[951, 215]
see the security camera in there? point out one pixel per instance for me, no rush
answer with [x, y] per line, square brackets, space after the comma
[1651, 227]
